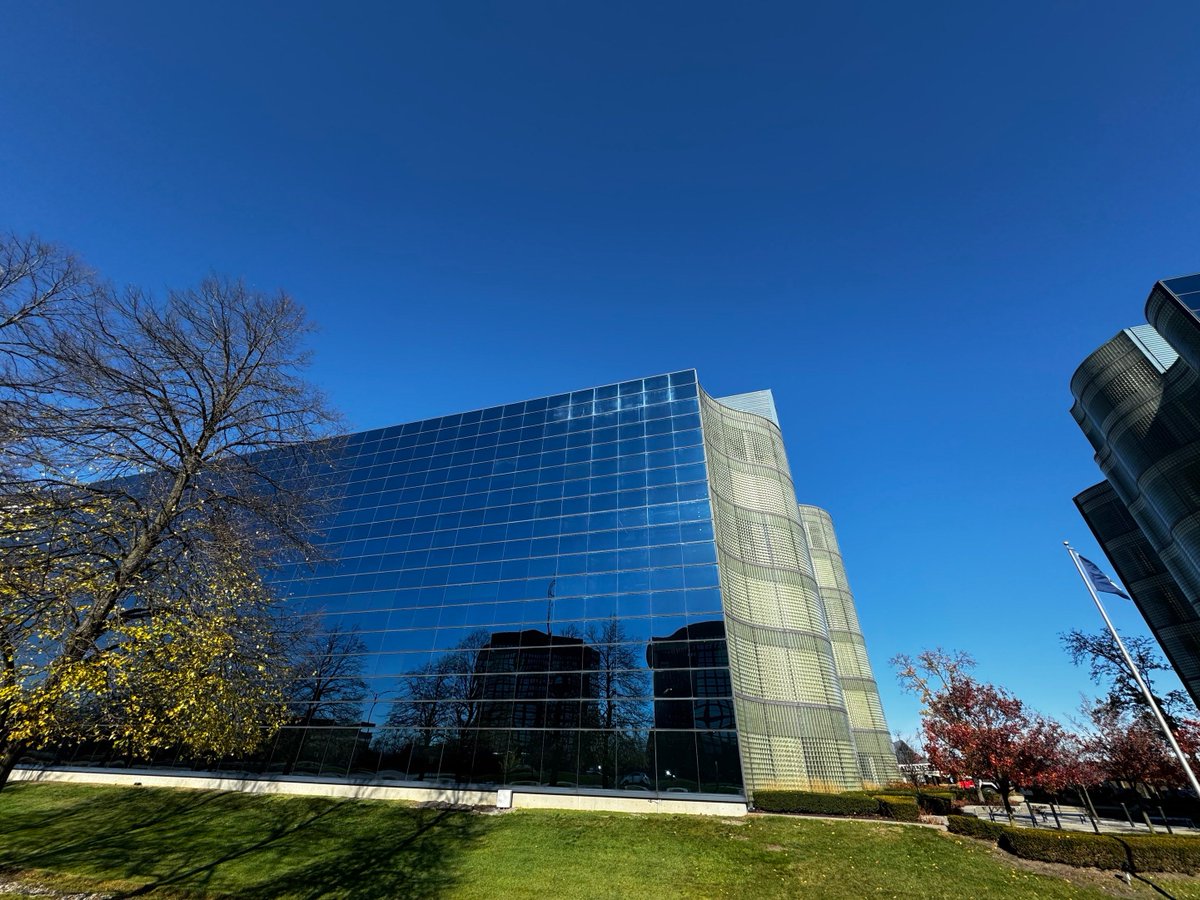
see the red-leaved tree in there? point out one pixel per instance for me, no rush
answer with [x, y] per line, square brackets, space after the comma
[1130, 747]
[981, 730]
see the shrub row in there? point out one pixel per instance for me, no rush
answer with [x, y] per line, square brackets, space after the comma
[1098, 851]
[936, 803]
[816, 804]
[1163, 853]
[893, 806]
[1137, 853]
[970, 826]
[900, 808]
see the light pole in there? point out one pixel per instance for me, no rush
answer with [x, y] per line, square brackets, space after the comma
[1089, 579]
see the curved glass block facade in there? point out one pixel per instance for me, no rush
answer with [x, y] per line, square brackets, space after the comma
[1137, 399]
[603, 590]
[794, 724]
[872, 741]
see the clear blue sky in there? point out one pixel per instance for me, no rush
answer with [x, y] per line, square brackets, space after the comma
[912, 221]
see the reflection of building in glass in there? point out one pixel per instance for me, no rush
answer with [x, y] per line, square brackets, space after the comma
[691, 678]
[607, 589]
[1137, 399]
[531, 680]
[692, 690]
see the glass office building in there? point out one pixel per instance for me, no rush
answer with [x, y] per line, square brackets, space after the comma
[1137, 399]
[611, 589]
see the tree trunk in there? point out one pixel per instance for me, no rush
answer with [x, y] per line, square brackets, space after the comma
[1005, 785]
[9, 755]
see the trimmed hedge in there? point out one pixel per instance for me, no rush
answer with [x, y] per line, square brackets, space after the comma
[1137, 853]
[900, 808]
[933, 802]
[1098, 851]
[1162, 853]
[971, 826]
[816, 804]
[936, 804]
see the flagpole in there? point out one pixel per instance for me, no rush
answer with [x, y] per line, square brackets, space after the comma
[1137, 676]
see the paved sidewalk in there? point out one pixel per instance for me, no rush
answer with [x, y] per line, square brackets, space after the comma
[1075, 818]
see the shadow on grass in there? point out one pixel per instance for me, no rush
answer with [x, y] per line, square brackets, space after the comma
[1131, 869]
[232, 844]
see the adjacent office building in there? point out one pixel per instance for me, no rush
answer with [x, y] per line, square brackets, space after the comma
[611, 589]
[1137, 399]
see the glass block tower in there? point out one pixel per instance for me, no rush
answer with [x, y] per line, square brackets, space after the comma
[1137, 400]
[611, 589]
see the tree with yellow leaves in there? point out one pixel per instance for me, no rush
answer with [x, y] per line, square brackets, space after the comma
[148, 472]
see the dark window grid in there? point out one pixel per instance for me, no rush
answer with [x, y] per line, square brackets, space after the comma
[534, 683]
[632, 408]
[418, 665]
[589, 729]
[568, 604]
[567, 573]
[627, 549]
[503, 617]
[697, 575]
[392, 460]
[409, 634]
[484, 492]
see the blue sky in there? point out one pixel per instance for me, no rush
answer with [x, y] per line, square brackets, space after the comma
[911, 221]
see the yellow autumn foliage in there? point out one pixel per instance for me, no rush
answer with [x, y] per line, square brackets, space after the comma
[195, 660]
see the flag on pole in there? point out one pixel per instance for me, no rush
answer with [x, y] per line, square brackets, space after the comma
[1099, 580]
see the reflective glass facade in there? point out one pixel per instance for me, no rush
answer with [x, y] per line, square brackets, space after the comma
[1137, 399]
[521, 584]
[538, 595]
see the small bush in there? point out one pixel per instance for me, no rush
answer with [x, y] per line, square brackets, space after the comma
[816, 804]
[970, 826]
[1098, 851]
[902, 809]
[936, 804]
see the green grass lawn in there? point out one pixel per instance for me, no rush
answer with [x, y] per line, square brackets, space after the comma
[171, 843]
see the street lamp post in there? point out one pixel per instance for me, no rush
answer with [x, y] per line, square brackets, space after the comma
[1137, 676]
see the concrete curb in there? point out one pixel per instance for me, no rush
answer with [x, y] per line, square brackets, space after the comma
[375, 791]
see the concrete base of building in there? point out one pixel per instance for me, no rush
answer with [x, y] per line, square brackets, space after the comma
[708, 807]
[366, 790]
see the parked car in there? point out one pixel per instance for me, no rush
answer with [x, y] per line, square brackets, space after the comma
[637, 781]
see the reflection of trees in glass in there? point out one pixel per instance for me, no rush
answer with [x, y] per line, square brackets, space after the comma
[524, 705]
[327, 690]
[439, 703]
[621, 680]
[620, 710]
[328, 683]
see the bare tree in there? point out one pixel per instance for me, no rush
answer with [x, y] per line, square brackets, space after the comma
[151, 471]
[1107, 667]
[622, 684]
[932, 672]
[444, 696]
[39, 283]
[622, 710]
[328, 682]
